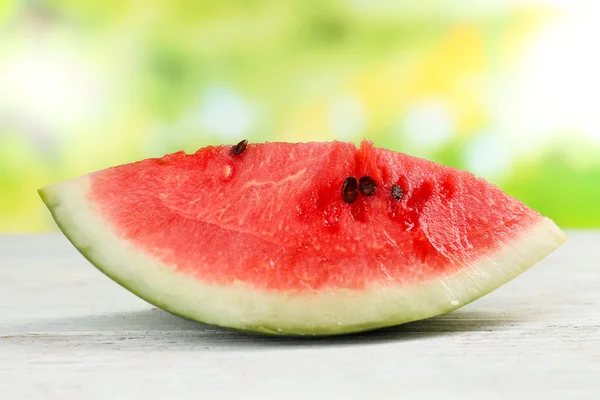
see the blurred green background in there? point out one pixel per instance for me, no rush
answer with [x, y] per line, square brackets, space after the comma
[506, 89]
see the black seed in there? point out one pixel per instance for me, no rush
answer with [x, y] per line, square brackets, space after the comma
[397, 192]
[239, 148]
[367, 186]
[350, 189]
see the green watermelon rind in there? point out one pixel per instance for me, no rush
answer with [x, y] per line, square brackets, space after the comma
[334, 313]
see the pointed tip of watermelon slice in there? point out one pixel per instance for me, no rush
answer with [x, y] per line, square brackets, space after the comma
[242, 307]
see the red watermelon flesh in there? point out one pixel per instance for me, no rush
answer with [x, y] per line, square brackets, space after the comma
[270, 228]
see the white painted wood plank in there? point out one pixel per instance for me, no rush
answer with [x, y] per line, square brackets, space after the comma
[66, 331]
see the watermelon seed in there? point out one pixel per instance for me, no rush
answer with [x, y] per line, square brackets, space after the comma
[350, 190]
[227, 172]
[240, 147]
[397, 192]
[367, 186]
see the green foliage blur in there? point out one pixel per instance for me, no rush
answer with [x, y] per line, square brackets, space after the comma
[508, 90]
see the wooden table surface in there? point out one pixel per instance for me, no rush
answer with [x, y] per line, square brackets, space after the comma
[68, 332]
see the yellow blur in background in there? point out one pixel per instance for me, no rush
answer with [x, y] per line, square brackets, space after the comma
[508, 90]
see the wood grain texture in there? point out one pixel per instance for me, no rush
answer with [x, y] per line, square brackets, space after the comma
[68, 332]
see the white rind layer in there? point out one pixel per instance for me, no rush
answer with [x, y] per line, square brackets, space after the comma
[241, 306]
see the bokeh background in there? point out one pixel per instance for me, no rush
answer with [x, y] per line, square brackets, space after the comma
[506, 89]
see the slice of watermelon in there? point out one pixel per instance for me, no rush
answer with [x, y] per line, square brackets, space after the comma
[265, 239]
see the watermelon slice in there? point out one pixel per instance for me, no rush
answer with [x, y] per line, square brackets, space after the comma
[300, 239]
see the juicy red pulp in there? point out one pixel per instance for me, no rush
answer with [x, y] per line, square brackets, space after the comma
[274, 216]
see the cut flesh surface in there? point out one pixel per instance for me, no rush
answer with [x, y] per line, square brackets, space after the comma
[263, 240]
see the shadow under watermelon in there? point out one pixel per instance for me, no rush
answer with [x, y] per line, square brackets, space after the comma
[159, 329]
